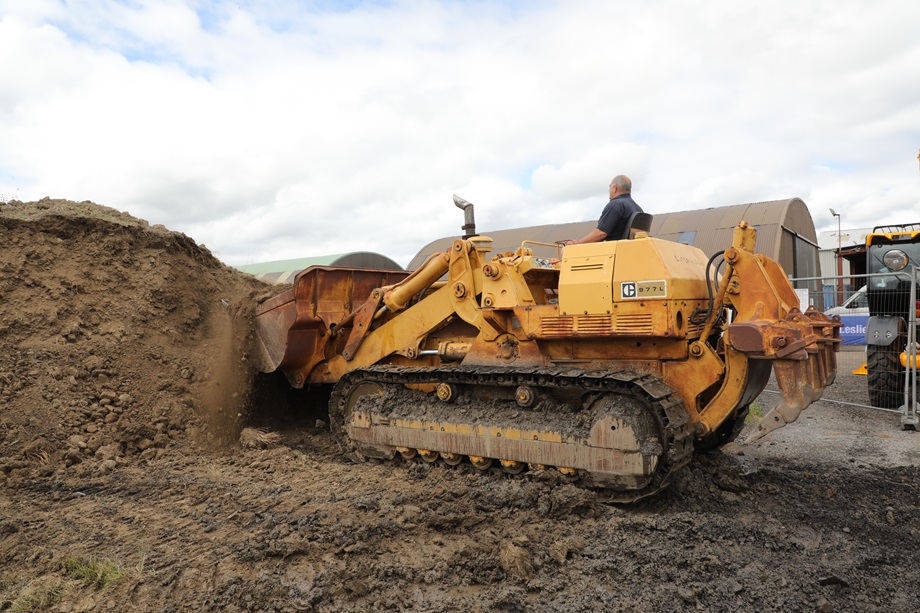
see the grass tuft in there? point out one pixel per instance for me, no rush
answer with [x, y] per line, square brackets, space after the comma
[38, 595]
[100, 573]
[755, 413]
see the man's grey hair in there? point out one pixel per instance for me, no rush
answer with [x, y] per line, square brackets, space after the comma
[623, 183]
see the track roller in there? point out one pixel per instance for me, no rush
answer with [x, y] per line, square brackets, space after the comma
[406, 452]
[480, 462]
[525, 396]
[446, 392]
[451, 459]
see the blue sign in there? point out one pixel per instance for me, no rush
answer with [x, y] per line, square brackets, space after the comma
[853, 331]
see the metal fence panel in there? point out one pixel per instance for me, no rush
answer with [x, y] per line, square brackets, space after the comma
[874, 351]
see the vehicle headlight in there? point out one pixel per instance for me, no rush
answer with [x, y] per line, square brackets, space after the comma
[895, 259]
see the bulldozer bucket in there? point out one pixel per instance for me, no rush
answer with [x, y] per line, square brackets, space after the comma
[293, 328]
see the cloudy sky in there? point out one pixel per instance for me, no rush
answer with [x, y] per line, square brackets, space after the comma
[273, 129]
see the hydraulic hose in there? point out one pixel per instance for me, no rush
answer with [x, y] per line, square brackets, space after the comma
[699, 317]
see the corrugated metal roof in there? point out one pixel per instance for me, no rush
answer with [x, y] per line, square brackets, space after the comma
[778, 222]
[283, 271]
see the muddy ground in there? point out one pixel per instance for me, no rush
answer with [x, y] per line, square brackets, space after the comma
[126, 374]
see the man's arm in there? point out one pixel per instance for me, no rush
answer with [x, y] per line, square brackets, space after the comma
[594, 236]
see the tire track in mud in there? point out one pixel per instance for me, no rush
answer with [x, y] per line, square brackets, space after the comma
[288, 525]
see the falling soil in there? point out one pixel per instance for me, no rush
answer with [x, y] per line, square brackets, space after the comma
[127, 374]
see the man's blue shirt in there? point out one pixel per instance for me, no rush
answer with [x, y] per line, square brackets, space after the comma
[616, 215]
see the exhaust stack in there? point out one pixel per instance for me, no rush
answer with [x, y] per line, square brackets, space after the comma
[469, 225]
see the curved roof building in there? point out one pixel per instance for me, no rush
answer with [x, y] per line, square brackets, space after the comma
[283, 271]
[785, 232]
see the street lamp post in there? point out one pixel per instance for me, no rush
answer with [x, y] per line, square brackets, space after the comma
[839, 260]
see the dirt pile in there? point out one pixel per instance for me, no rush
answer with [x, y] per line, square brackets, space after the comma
[127, 354]
[119, 338]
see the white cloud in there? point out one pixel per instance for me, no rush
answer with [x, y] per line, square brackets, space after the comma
[576, 179]
[279, 129]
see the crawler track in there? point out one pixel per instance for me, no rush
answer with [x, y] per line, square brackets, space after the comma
[623, 432]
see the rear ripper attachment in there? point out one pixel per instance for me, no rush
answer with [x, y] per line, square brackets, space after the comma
[609, 362]
[623, 432]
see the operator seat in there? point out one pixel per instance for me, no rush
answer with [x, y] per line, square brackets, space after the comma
[638, 222]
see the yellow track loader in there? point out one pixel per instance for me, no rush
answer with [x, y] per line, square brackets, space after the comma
[610, 362]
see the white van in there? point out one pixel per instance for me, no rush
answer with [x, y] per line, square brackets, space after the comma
[857, 304]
